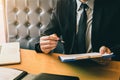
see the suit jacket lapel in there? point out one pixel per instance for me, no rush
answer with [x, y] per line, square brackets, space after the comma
[71, 24]
[72, 15]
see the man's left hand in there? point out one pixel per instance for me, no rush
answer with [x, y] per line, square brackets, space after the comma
[104, 49]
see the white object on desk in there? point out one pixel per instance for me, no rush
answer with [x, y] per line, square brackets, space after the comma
[10, 53]
[73, 57]
[11, 74]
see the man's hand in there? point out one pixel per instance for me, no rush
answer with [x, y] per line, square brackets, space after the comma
[104, 49]
[48, 43]
[104, 61]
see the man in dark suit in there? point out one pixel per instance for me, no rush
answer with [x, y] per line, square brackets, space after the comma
[103, 27]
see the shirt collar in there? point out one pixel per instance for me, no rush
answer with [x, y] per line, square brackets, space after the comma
[90, 4]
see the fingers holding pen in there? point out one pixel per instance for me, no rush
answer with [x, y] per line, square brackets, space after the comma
[54, 37]
[48, 43]
[46, 40]
[51, 39]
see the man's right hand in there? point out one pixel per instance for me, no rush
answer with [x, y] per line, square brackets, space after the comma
[48, 43]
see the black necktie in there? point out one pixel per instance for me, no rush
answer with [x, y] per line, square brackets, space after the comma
[82, 30]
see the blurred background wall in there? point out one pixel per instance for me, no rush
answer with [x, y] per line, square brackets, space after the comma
[2, 27]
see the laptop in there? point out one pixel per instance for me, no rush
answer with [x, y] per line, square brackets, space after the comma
[48, 76]
[10, 53]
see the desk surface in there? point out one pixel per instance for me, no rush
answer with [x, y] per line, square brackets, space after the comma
[38, 63]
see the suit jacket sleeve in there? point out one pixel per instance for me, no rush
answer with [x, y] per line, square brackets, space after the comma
[52, 27]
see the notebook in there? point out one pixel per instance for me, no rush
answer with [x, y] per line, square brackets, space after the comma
[11, 74]
[10, 53]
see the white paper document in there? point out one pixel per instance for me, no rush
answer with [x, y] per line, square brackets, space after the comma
[9, 53]
[73, 57]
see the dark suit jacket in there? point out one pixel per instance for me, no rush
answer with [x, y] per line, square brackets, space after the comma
[105, 25]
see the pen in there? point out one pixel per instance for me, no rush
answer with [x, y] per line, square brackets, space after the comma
[56, 40]
[61, 40]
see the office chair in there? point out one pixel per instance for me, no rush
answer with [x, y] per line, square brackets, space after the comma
[25, 19]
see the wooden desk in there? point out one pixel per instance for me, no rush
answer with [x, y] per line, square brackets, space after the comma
[37, 63]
